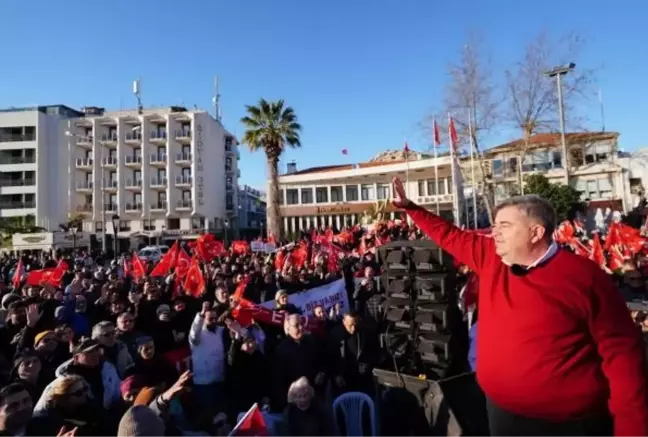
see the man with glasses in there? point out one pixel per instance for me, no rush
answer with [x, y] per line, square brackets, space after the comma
[114, 350]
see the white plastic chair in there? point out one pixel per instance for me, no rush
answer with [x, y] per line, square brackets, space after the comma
[352, 405]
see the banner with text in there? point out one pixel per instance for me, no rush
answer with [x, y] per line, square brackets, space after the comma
[326, 295]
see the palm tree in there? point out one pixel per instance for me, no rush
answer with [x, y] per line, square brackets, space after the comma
[271, 127]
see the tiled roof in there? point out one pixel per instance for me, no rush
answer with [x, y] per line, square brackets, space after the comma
[546, 139]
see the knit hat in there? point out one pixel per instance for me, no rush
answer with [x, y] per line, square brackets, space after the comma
[140, 421]
[164, 308]
[41, 335]
[133, 382]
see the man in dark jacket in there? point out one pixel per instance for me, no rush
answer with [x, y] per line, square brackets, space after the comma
[249, 375]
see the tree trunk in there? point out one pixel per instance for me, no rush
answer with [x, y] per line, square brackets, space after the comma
[273, 213]
[488, 194]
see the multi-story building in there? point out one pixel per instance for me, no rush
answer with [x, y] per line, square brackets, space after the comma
[33, 164]
[595, 168]
[338, 195]
[252, 208]
[158, 171]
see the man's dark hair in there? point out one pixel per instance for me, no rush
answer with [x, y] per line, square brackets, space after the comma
[536, 208]
[353, 314]
[10, 390]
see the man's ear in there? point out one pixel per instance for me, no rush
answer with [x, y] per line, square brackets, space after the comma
[539, 233]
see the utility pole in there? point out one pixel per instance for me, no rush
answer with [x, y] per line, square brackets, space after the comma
[558, 73]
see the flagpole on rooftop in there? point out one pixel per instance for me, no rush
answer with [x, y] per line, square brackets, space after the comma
[407, 170]
[435, 145]
[455, 194]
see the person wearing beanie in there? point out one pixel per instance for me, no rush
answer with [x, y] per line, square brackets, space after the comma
[140, 420]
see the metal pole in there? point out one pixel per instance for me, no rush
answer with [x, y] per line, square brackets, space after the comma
[561, 111]
[472, 169]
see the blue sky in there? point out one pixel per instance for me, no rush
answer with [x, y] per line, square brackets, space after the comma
[361, 74]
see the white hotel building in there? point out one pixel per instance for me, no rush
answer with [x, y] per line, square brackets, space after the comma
[163, 171]
[167, 170]
[33, 164]
[338, 195]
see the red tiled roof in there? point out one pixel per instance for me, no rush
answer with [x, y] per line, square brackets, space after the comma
[342, 167]
[546, 139]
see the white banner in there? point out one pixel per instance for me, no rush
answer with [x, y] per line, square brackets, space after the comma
[326, 295]
[260, 246]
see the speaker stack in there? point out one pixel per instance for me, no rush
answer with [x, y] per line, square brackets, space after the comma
[425, 390]
[425, 333]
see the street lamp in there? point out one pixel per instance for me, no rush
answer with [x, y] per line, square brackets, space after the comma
[161, 237]
[104, 246]
[558, 73]
[226, 224]
[115, 224]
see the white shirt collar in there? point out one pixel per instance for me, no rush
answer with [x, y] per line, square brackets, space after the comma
[551, 251]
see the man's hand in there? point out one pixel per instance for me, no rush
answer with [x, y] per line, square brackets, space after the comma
[205, 307]
[34, 314]
[178, 387]
[400, 197]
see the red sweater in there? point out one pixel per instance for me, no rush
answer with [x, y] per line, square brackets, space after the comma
[556, 343]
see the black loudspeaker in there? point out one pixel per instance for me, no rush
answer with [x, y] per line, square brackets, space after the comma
[425, 331]
[408, 405]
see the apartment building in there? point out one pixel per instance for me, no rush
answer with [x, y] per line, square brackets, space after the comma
[252, 208]
[595, 166]
[33, 164]
[160, 171]
[338, 195]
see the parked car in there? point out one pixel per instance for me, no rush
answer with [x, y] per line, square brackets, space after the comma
[152, 253]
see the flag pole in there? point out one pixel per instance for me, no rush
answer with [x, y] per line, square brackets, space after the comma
[407, 170]
[436, 166]
[472, 169]
[455, 194]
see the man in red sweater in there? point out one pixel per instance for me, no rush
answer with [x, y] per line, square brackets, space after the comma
[557, 350]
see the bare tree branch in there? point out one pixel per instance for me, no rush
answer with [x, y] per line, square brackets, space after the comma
[532, 98]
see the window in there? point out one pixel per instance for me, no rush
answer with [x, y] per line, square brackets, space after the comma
[498, 168]
[383, 191]
[162, 197]
[421, 188]
[228, 182]
[17, 133]
[137, 198]
[186, 173]
[431, 187]
[137, 176]
[351, 193]
[595, 189]
[446, 186]
[281, 197]
[597, 153]
[186, 150]
[186, 195]
[367, 192]
[306, 195]
[512, 166]
[292, 196]
[556, 159]
[161, 174]
[321, 194]
[197, 223]
[336, 194]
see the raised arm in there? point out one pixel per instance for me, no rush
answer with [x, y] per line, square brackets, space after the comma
[466, 247]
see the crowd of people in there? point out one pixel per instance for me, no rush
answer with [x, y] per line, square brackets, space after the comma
[91, 346]
[183, 346]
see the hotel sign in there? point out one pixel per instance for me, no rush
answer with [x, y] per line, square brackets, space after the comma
[200, 183]
[333, 210]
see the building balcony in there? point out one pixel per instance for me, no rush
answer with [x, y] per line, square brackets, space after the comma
[238, 155]
[18, 205]
[109, 161]
[183, 204]
[159, 206]
[182, 135]
[133, 161]
[84, 185]
[183, 158]
[7, 160]
[84, 163]
[84, 208]
[158, 137]
[133, 184]
[134, 207]
[133, 138]
[184, 181]
[110, 207]
[158, 159]
[85, 142]
[109, 185]
[158, 182]
[28, 182]
[228, 168]
[109, 140]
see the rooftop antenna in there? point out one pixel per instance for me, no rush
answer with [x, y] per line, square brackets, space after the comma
[137, 92]
[216, 100]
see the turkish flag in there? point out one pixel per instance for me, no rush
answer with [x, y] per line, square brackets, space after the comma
[164, 265]
[194, 281]
[252, 424]
[18, 274]
[182, 264]
[139, 271]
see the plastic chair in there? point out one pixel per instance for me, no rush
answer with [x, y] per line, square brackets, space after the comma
[352, 405]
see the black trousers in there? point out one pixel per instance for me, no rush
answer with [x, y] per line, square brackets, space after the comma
[505, 423]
